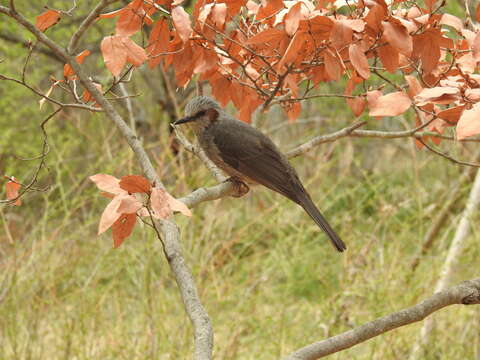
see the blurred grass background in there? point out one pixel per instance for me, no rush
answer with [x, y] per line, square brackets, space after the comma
[268, 277]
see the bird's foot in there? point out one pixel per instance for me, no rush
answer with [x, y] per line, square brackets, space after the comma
[240, 188]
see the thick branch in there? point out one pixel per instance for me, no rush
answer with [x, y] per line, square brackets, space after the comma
[466, 293]
[168, 229]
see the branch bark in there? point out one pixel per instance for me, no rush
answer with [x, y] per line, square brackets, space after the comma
[466, 293]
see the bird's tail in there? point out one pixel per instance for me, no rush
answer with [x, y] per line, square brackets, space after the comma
[315, 214]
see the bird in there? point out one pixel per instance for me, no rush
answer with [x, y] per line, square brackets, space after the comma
[249, 157]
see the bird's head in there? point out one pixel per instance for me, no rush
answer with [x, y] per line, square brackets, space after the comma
[200, 112]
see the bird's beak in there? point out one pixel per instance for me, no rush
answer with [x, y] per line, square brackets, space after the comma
[184, 120]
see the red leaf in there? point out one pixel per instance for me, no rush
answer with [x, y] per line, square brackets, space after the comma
[359, 60]
[292, 19]
[12, 188]
[114, 54]
[47, 19]
[107, 183]
[469, 123]
[135, 184]
[392, 104]
[122, 228]
[181, 21]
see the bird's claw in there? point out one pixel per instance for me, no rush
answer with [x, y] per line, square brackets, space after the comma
[240, 188]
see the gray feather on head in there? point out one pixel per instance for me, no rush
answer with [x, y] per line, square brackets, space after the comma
[200, 103]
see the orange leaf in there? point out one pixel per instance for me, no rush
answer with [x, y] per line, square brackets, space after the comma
[135, 184]
[477, 13]
[292, 19]
[333, 66]
[158, 42]
[271, 35]
[414, 87]
[122, 228]
[437, 95]
[177, 205]
[67, 69]
[122, 203]
[219, 15]
[469, 123]
[131, 19]
[357, 105]
[397, 35]
[476, 47]
[47, 19]
[136, 55]
[293, 50]
[452, 21]
[359, 60]
[12, 188]
[110, 214]
[181, 21]
[375, 16]
[451, 115]
[107, 183]
[427, 47]
[117, 50]
[392, 104]
[293, 111]
[114, 54]
[87, 97]
[160, 204]
[341, 34]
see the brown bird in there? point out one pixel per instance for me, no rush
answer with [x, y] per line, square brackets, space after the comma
[249, 156]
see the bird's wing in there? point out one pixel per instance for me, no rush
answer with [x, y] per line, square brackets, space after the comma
[253, 154]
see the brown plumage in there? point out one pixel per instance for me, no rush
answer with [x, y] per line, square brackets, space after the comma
[246, 154]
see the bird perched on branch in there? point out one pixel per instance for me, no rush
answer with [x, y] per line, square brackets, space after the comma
[249, 156]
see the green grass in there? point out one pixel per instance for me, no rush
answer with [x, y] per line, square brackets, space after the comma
[267, 276]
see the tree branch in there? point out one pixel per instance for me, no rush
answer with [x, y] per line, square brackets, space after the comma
[466, 293]
[168, 229]
[89, 20]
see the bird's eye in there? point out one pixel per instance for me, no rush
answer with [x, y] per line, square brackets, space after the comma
[200, 113]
